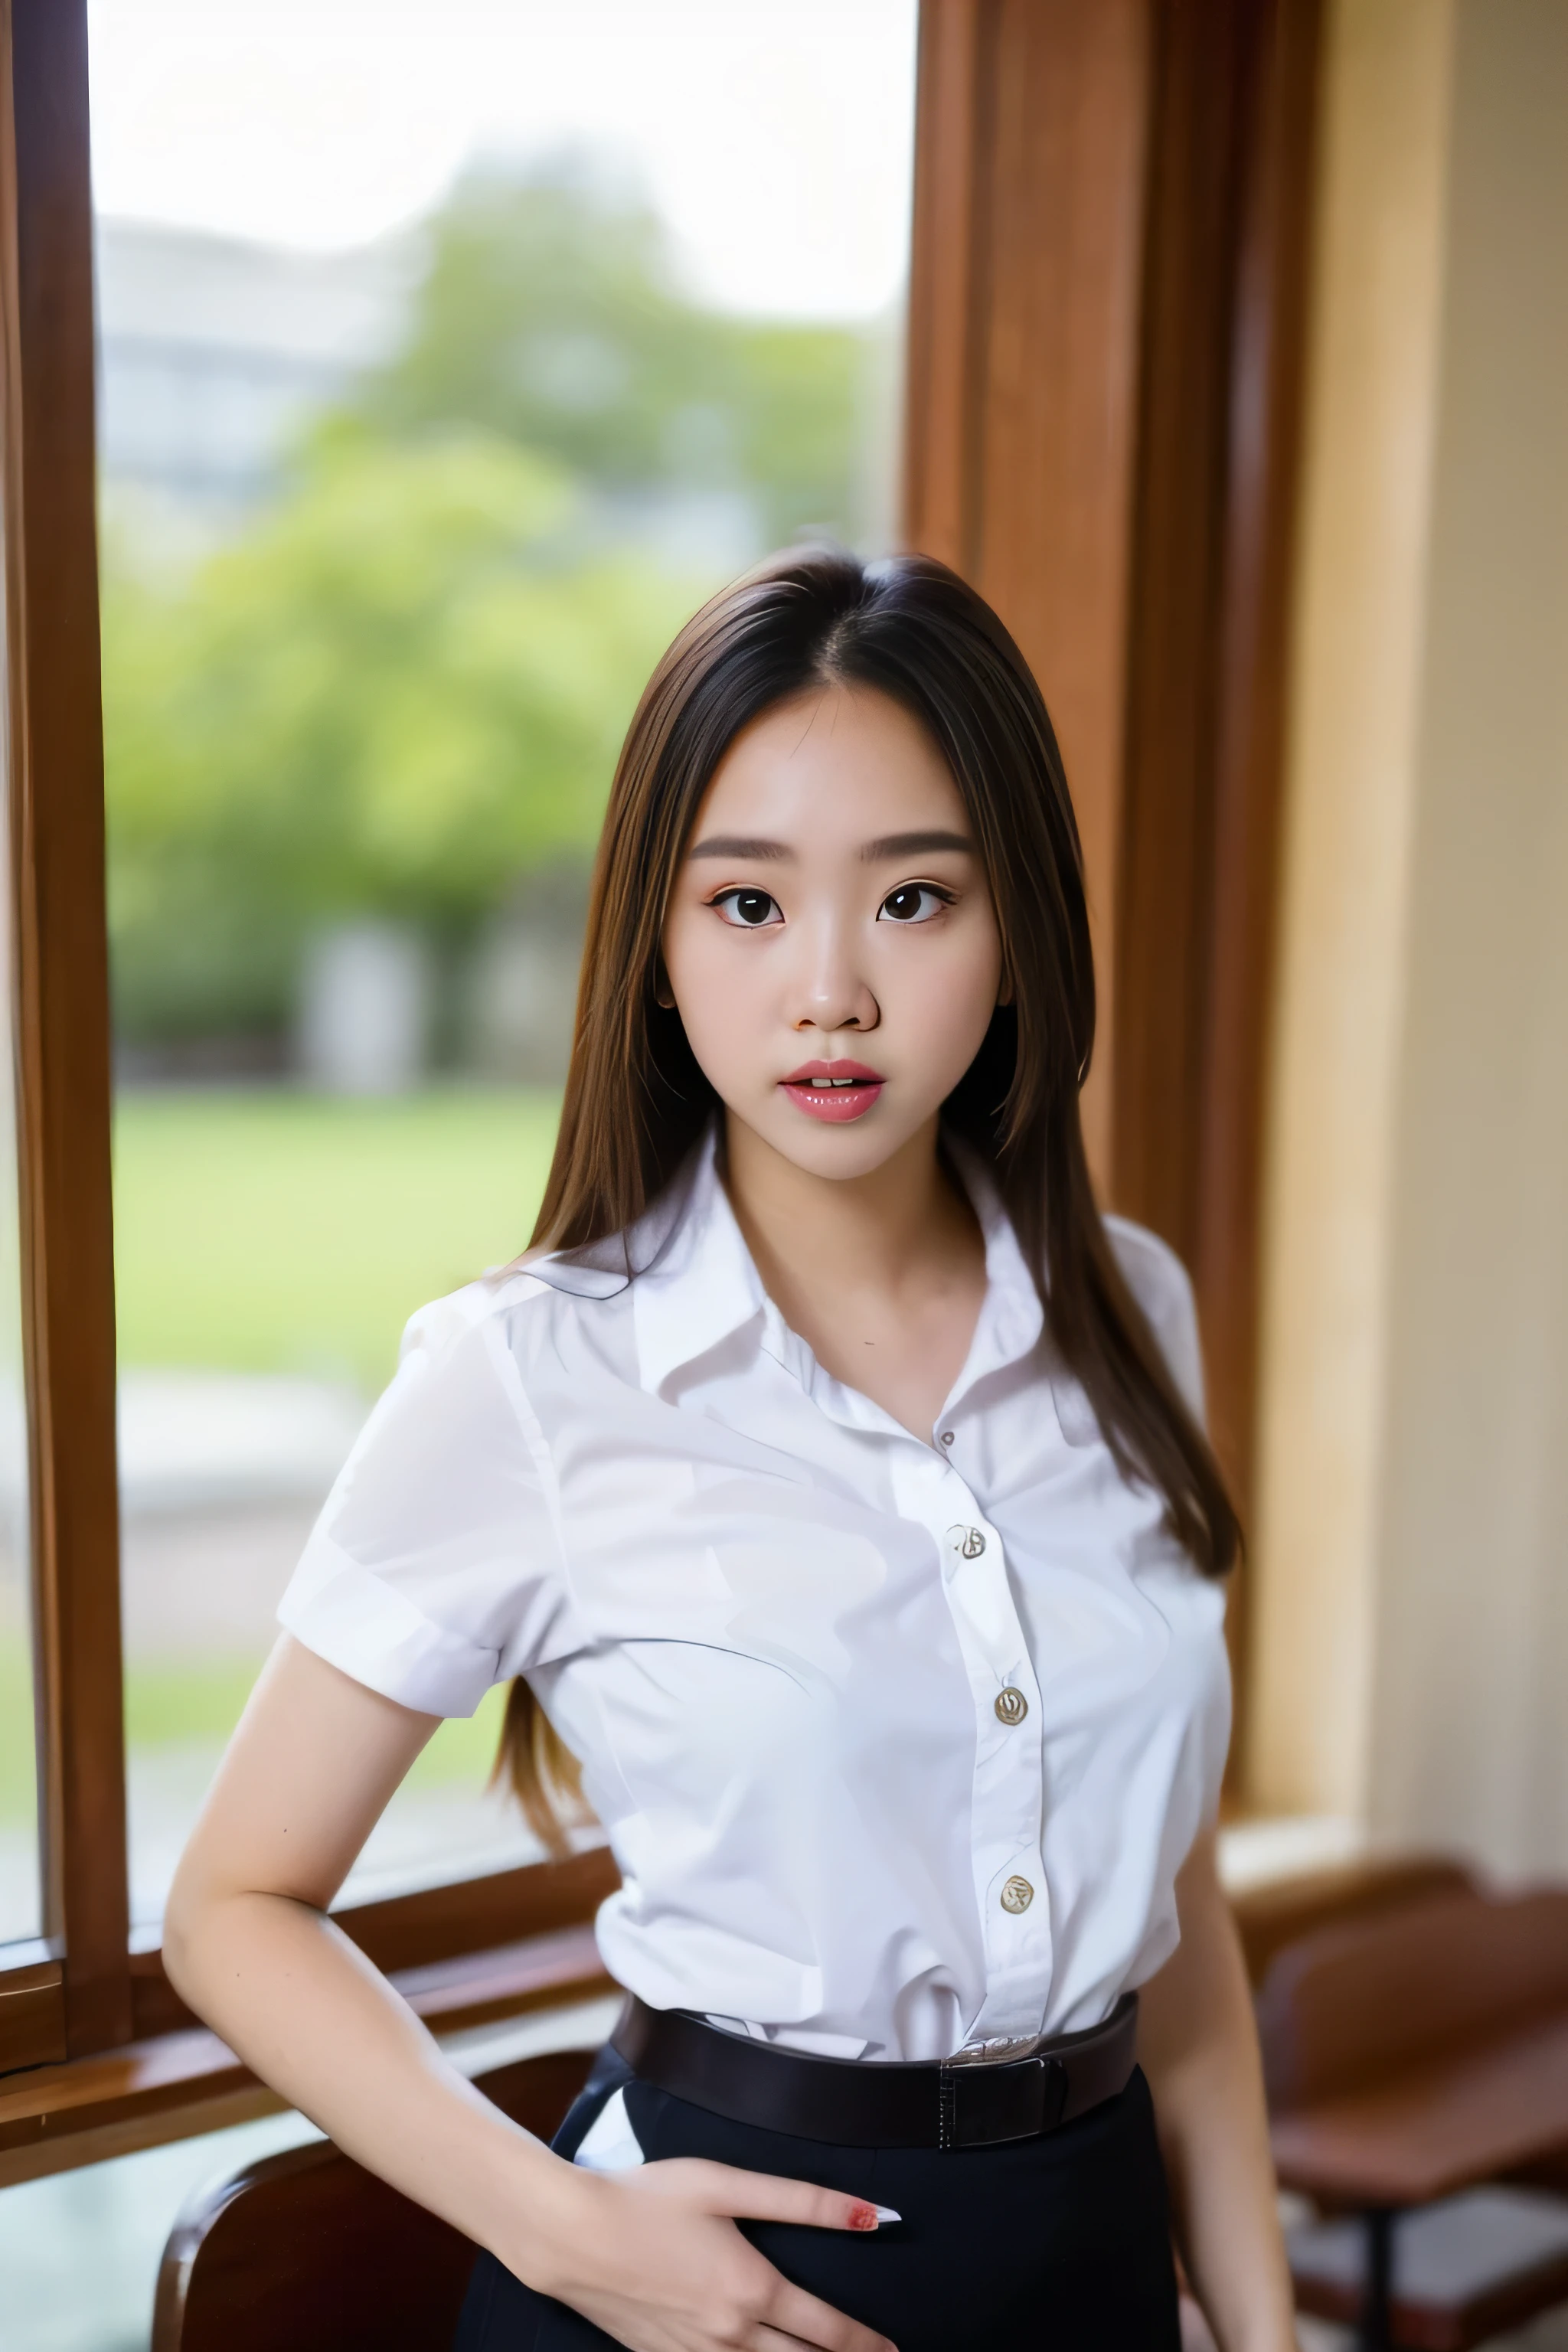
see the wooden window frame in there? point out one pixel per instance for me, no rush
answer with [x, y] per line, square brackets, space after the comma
[1107, 297]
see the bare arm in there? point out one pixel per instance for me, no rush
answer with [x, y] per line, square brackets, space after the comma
[652, 2257]
[1198, 2047]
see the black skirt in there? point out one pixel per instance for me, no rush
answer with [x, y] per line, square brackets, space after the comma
[1060, 2243]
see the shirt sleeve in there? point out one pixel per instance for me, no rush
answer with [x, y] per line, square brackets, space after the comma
[1159, 1283]
[434, 1569]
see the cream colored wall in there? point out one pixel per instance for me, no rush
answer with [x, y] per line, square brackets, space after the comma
[1374, 331]
[1469, 1715]
[1413, 1539]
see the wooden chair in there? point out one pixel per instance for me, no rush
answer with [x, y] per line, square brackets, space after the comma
[1283, 1910]
[307, 2250]
[1414, 2057]
[1361, 2000]
[1464, 2270]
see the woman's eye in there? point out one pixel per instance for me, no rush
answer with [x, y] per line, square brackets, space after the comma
[916, 902]
[749, 910]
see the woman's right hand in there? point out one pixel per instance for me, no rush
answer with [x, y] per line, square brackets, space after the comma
[653, 2257]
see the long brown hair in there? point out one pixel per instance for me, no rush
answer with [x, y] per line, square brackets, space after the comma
[637, 1102]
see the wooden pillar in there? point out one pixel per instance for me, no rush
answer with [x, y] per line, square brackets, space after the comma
[55, 781]
[1111, 205]
[1025, 302]
[1196, 882]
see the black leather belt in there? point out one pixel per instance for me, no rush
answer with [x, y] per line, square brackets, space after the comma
[856, 2103]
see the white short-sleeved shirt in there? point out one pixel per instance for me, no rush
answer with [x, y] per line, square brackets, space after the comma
[899, 1743]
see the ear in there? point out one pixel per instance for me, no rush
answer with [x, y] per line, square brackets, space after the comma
[1005, 993]
[663, 994]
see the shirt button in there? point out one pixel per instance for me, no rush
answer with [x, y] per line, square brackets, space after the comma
[947, 1436]
[1012, 1706]
[969, 1541]
[1017, 1895]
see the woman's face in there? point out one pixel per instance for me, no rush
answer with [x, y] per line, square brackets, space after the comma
[831, 944]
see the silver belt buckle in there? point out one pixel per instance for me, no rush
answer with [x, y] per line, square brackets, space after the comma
[988, 2106]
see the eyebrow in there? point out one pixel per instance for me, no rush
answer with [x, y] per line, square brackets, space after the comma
[913, 845]
[890, 844]
[735, 844]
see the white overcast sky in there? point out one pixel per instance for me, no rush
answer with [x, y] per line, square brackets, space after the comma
[774, 135]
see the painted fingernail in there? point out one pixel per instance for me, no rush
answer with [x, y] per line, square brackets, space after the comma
[865, 2217]
[886, 2214]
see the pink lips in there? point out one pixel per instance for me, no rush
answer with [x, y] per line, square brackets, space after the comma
[833, 1091]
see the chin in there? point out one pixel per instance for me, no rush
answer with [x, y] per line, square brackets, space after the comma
[857, 1150]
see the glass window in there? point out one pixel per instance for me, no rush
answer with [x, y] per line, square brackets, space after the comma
[440, 379]
[20, 1879]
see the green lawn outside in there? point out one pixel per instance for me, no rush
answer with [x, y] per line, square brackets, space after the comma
[175, 1704]
[18, 1787]
[271, 1230]
[278, 1231]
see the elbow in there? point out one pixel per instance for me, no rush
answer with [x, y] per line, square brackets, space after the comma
[186, 1917]
[178, 1965]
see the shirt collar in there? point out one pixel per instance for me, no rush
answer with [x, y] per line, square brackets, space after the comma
[1011, 1314]
[698, 1285]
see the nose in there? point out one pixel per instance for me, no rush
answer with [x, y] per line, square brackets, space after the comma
[832, 992]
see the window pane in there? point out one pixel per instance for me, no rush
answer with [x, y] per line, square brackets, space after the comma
[20, 1880]
[448, 362]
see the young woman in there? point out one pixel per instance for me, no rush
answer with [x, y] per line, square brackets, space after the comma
[831, 1481]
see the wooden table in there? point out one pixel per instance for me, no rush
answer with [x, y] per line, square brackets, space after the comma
[1428, 2131]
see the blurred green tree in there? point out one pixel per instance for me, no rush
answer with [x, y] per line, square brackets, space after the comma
[552, 312]
[402, 688]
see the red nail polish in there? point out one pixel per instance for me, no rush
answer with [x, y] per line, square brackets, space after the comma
[863, 2216]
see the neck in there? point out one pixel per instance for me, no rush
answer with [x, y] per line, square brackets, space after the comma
[880, 1231]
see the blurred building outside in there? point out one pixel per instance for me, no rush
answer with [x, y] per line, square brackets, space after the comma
[215, 352]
